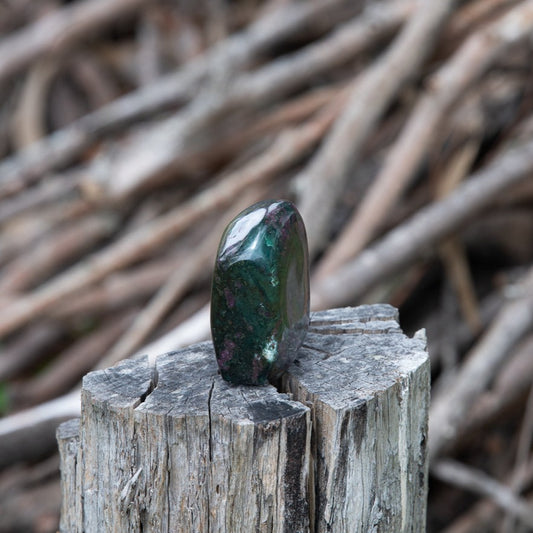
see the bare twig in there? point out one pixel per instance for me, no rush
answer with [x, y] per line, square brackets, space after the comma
[36, 426]
[59, 31]
[525, 439]
[119, 290]
[153, 154]
[408, 241]
[445, 87]
[449, 410]
[471, 15]
[47, 192]
[24, 435]
[29, 118]
[29, 349]
[452, 251]
[509, 386]
[194, 329]
[236, 52]
[478, 482]
[481, 517]
[324, 180]
[68, 368]
[51, 254]
[288, 148]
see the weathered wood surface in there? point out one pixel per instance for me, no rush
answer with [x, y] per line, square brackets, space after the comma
[176, 449]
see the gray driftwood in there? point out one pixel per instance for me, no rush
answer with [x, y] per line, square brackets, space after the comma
[339, 448]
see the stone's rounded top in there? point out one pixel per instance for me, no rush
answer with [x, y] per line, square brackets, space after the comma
[263, 223]
[240, 228]
[260, 293]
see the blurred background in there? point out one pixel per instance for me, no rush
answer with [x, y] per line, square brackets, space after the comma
[132, 131]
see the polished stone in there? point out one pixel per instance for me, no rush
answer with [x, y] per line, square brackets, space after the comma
[260, 293]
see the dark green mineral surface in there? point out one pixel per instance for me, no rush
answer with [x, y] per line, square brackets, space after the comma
[260, 295]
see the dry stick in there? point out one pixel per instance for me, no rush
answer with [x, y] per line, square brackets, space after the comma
[509, 386]
[57, 214]
[452, 251]
[479, 517]
[153, 154]
[58, 31]
[482, 515]
[226, 147]
[90, 73]
[323, 182]
[183, 277]
[45, 496]
[295, 110]
[52, 253]
[25, 476]
[62, 186]
[20, 426]
[450, 408]
[48, 191]
[68, 367]
[524, 442]
[26, 427]
[26, 351]
[29, 117]
[409, 241]
[471, 15]
[119, 290]
[236, 51]
[289, 147]
[489, 306]
[525, 439]
[192, 330]
[148, 53]
[478, 482]
[445, 88]
[171, 291]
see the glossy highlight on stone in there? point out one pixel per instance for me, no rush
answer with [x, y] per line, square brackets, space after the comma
[260, 293]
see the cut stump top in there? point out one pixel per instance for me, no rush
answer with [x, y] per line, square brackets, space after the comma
[337, 445]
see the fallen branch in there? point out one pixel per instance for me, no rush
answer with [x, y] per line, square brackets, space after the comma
[51, 254]
[482, 516]
[509, 387]
[59, 31]
[288, 148]
[452, 251]
[192, 330]
[525, 439]
[410, 240]
[72, 364]
[171, 90]
[30, 434]
[449, 410]
[154, 154]
[448, 85]
[478, 482]
[28, 350]
[118, 291]
[324, 180]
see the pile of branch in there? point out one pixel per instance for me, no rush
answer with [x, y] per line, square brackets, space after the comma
[131, 132]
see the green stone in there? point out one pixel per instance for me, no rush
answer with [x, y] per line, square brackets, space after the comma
[260, 293]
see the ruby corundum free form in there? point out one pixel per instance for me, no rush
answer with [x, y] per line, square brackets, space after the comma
[260, 293]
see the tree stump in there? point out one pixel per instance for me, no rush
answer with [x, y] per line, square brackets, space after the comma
[338, 446]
